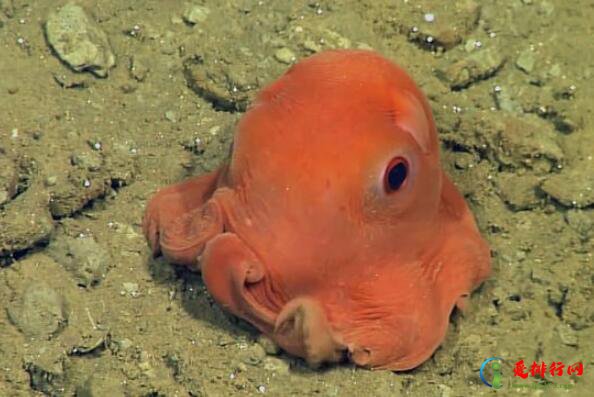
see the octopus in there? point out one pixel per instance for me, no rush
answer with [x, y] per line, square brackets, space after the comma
[332, 228]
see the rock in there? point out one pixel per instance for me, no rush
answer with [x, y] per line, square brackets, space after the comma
[277, 365]
[285, 55]
[552, 102]
[518, 191]
[71, 195]
[572, 187]
[84, 258]
[120, 167]
[546, 7]
[139, 68]
[46, 369]
[239, 367]
[540, 275]
[51, 180]
[145, 365]
[90, 161]
[25, 221]
[253, 355]
[327, 38]
[130, 289]
[567, 335]
[449, 25]
[479, 65]
[228, 87]
[513, 142]
[92, 343]
[194, 14]
[169, 43]
[336, 40]
[78, 41]
[9, 178]
[121, 344]
[525, 140]
[70, 80]
[464, 160]
[506, 100]
[171, 116]
[40, 312]
[311, 46]
[526, 61]
[89, 179]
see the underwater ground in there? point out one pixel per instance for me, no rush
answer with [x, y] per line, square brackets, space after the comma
[102, 105]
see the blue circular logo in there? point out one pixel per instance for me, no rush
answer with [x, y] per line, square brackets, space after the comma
[496, 368]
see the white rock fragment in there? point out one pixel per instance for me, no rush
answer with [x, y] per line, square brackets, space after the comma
[130, 289]
[195, 14]
[285, 55]
[78, 41]
[526, 61]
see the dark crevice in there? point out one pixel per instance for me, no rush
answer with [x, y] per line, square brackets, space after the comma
[558, 305]
[559, 122]
[515, 298]
[8, 258]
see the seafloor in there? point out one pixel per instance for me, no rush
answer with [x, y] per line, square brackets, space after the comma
[85, 311]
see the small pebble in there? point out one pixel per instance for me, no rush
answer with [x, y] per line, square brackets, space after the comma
[138, 68]
[526, 61]
[275, 364]
[285, 55]
[171, 116]
[253, 355]
[567, 335]
[130, 289]
[195, 14]
[123, 344]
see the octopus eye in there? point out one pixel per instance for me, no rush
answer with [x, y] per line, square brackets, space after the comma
[396, 174]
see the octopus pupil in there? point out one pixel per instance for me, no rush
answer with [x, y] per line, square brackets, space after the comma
[396, 176]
